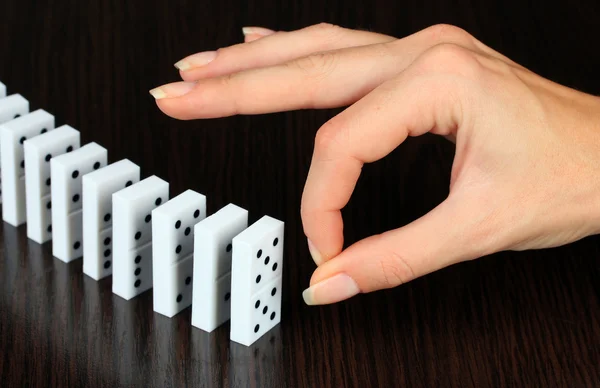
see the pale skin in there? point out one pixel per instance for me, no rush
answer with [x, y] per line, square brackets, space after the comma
[526, 169]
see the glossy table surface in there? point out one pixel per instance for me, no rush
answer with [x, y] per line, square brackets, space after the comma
[527, 319]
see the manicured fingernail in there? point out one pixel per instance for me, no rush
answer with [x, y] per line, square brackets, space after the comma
[257, 30]
[175, 89]
[251, 37]
[316, 256]
[335, 289]
[196, 60]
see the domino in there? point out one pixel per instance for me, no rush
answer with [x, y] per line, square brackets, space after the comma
[38, 153]
[98, 188]
[66, 172]
[172, 256]
[132, 235]
[12, 136]
[256, 280]
[2, 90]
[12, 107]
[211, 301]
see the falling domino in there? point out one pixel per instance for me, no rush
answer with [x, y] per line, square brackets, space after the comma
[211, 302]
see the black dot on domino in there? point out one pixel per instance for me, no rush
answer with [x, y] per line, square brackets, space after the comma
[49, 205]
[227, 296]
[48, 181]
[75, 174]
[129, 183]
[138, 271]
[138, 258]
[228, 249]
[158, 201]
[96, 165]
[275, 241]
[273, 315]
[22, 164]
[274, 267]
[259, 254]
[267, 260]
[178, 249]
[69, 148]
[107, 217]
[76, 245]
[48, 157]
[44, 130]
[256, 328]
[22, 140]
[107, 253]
[258, 279]
[188, 280]
[265, 309]
[196, 213]
[107, 264]
[138, 235]
[17, 116]
[257, 304]
[187, 231]
[273, 291]
[137, 283]
[177, 224]
[107, 241]
[179, 298]
[49, 228]
[76, 198]
[148, 218]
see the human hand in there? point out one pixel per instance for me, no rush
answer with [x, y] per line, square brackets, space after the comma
[525, 170]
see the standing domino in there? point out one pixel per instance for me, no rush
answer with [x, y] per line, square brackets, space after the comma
[2, 90]
[12, 107]
[132, 235]
[211, 303]
[256, 280]
[98, 188]
[12, 136]
[172, 256]
[39, 151]
[65, 172]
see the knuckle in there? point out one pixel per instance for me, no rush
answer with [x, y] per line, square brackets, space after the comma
[394, 270]
[325, 30]
[317, 65]
[329, 137]
[447, 33]
[450, 57]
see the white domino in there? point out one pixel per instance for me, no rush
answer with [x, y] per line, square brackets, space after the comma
[211, 302]
[132, 235]
[12, 136]
[98, 188]
[172, 257]
[2, 90]
[256, 280]
[12, 107]
[39, 151]
[66, 172]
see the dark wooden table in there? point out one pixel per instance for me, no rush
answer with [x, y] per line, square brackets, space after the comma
[529, 319]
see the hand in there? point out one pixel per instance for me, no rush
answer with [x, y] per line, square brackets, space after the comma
[525, 173]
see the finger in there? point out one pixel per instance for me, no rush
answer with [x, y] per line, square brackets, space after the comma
[449, 234]
[416, 102]
[252, 37]
[331, 79]
[323, 80]
[274, 49]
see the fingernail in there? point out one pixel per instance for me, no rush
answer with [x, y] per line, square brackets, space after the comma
[175, 89]
[252, 37]
[316, 256]
[196, 60]
[335, 289]
[257, 30]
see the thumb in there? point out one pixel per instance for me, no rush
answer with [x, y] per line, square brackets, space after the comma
[450, 233]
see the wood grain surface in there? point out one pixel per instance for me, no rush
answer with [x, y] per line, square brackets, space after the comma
[528, 319]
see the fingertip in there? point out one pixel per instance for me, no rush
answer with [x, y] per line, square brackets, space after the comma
[252, 37]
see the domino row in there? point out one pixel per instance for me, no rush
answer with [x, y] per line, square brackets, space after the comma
[128, 227]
